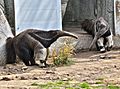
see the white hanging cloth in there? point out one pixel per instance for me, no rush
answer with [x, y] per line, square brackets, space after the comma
[38, 14]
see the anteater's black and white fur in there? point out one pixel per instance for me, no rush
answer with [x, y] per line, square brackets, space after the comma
[32, 44]
[101, 32]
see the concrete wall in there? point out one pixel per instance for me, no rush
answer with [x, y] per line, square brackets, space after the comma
[78, 10]
[9, 12]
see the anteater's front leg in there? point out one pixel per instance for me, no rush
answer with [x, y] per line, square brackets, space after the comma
[47, 54]
[40, 54]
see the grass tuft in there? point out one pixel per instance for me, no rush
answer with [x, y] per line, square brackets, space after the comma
[61, 56]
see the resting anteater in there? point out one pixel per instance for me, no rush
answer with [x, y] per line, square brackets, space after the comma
[101, 32]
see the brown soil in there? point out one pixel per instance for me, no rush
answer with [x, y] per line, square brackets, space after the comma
[89, 67]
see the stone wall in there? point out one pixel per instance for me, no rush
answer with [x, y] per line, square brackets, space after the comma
[78, 10]
[9, 9]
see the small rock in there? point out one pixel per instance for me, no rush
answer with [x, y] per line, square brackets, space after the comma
[23, 78]
[65, 79]
[115, 66]
[6, 79]
[4, 67]
[35, 78]
[24, 68]
[56, 78]
[50, 72]
[102, 57]
[16, 76]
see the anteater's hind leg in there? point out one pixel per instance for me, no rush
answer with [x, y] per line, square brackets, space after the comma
[25, 55]
[109, 43]
[100, 43]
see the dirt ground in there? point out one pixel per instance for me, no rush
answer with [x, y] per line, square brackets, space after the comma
[89, 67]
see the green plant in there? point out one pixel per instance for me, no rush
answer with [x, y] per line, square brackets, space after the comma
[43, 86]
[85, 85]
[113, 87]
[99, 82]
[62, 85]
[71, 85]
[61, 56]
[101, 79]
